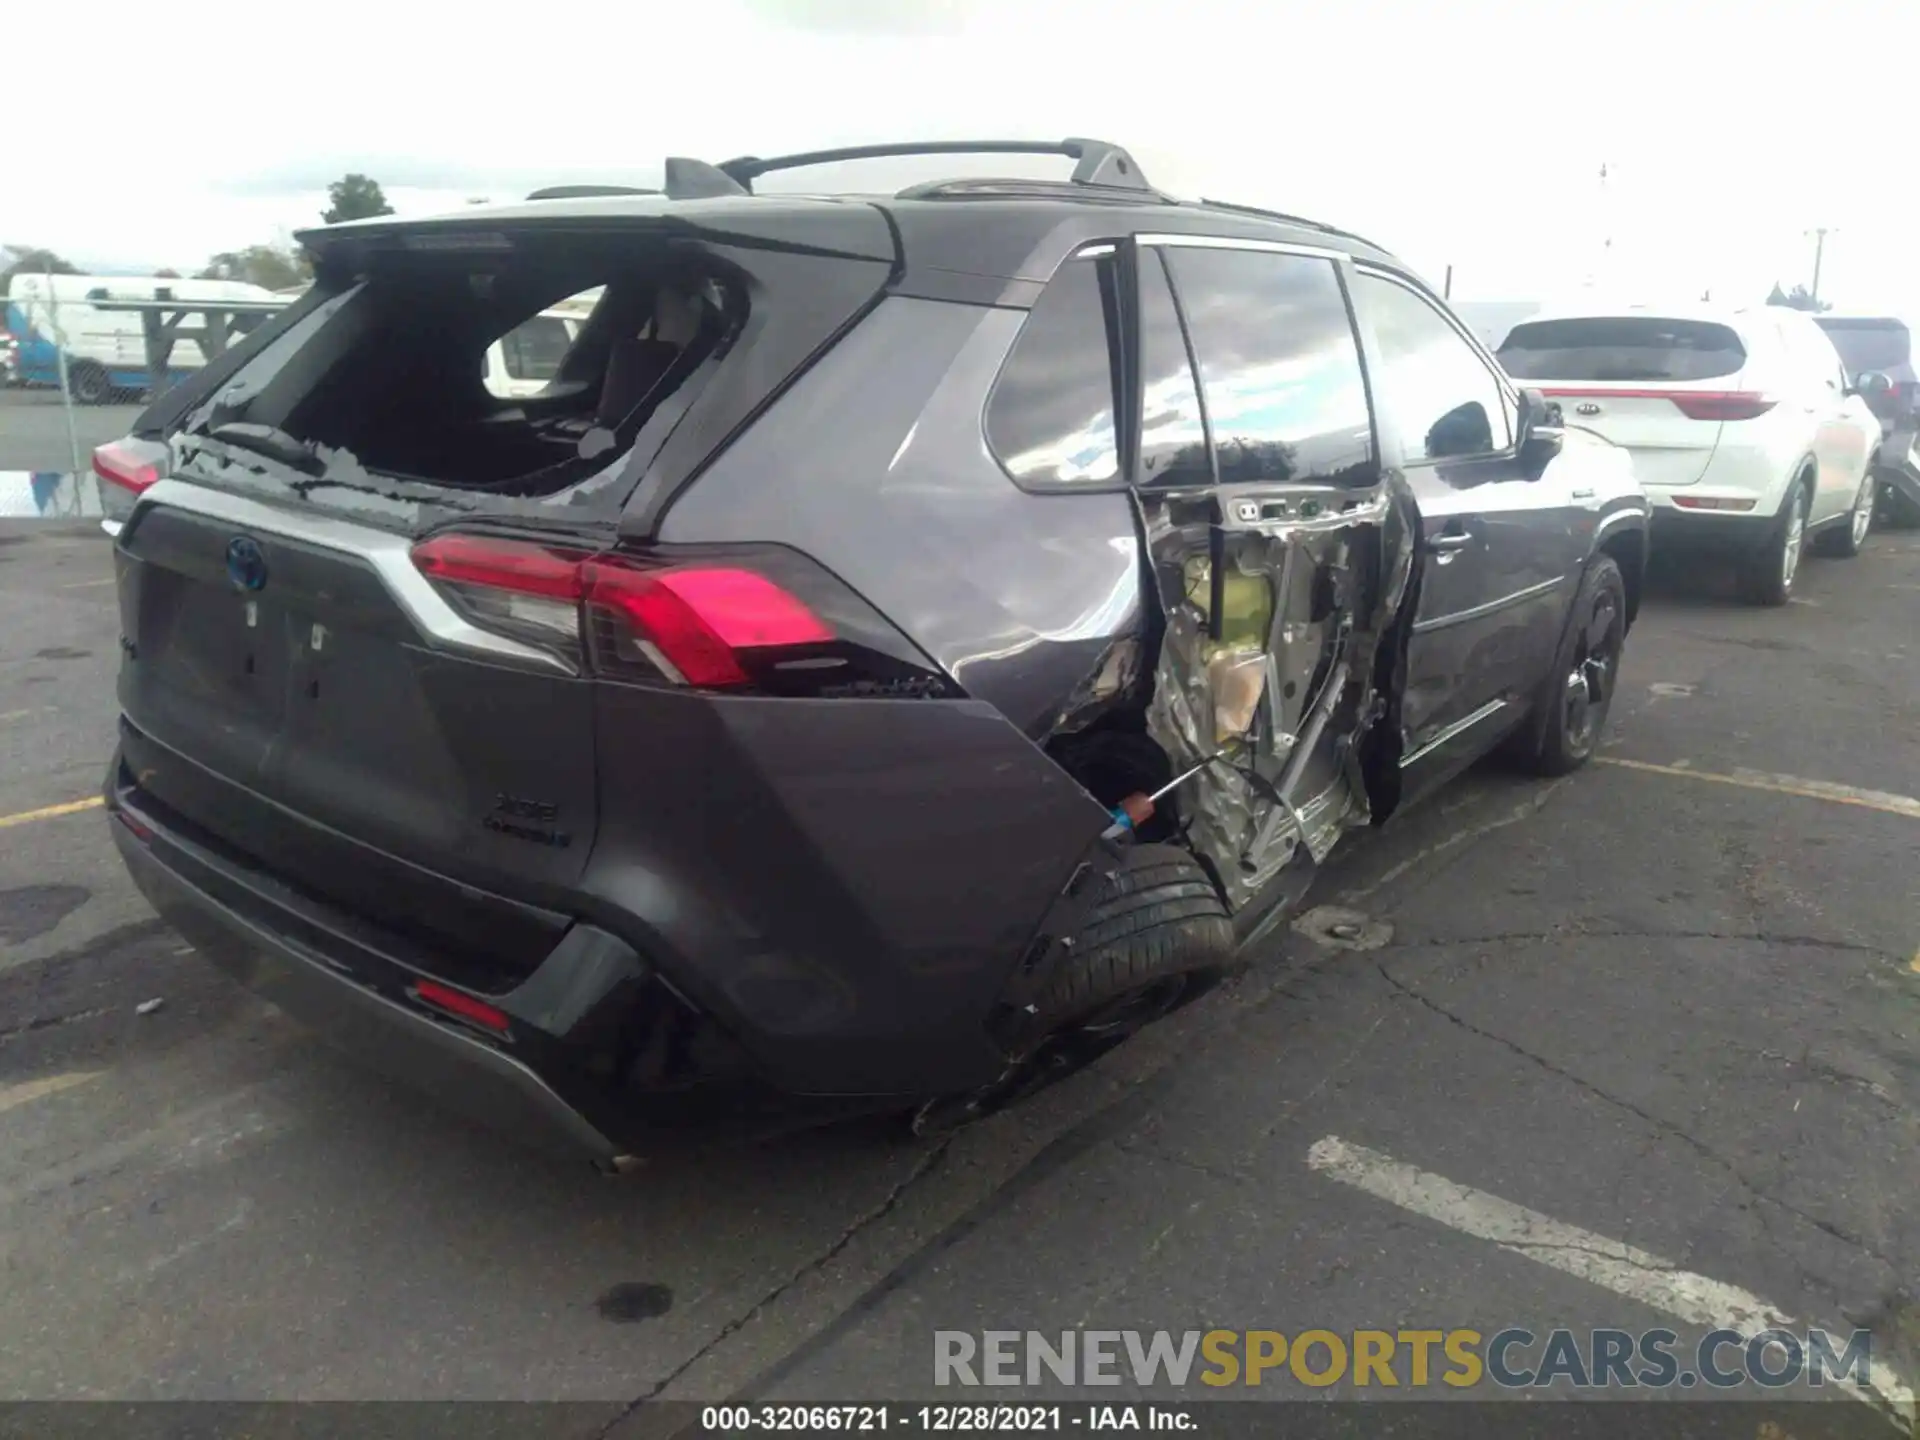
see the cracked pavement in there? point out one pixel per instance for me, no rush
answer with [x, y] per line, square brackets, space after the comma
[1682, 1016]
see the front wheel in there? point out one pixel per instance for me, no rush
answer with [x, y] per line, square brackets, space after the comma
[1846, 540]
[1767, 575]
[1570, 711]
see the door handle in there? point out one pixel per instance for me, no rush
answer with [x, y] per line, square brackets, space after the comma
[1451, 541]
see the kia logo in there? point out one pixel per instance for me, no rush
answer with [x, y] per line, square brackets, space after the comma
[1586, 407]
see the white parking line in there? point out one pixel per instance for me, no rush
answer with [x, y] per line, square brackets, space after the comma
[1611, 1264]
[30, 1090]
[1779, 785]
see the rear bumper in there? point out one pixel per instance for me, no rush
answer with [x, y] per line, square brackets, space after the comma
[578, 1074]
[1717, 531]
[454, 1068]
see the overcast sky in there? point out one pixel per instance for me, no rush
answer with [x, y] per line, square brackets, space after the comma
[1469, 133]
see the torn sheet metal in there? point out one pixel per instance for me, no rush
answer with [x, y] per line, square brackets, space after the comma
[1272, 661]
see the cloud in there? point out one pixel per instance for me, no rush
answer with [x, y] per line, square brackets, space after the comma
[868, 17]
[312, 176]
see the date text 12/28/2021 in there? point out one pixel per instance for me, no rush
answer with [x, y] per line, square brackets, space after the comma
[938, 1419]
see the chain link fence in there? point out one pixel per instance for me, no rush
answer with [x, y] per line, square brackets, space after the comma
[46, 433]
[81, 357]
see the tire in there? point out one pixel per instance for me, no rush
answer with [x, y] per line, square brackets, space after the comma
[89, 384]
[1158, 923]
[1767, 575]
[1570, 711]
[1848, 539]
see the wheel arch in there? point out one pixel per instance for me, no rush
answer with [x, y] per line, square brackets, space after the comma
[1627, 547]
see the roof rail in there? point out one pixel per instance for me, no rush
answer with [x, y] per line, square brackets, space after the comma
[697, 180]
[1098, 161]
[1300, 220]
[987, 186]
[583, 192]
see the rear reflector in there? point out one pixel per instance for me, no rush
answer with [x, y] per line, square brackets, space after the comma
[440, 997]
[1701, 502]
[1694, 404]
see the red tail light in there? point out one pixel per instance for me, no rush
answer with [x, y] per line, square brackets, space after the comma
[498, 565]
[1694, 404]
[453, 1002]
[1723, 405]
[130, 464]
[698, 620]
[718, 624]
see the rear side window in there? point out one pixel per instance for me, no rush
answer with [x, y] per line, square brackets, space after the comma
[1870, 344]
[1279, 365]
[1622, 348]
[1050, 419]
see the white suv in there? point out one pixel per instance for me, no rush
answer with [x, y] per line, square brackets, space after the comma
[1745, 429]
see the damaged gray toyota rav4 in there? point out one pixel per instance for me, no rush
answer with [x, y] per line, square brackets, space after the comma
[906, 638]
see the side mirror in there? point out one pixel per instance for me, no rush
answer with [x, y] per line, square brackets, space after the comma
[1539, 432]
[1872, 384]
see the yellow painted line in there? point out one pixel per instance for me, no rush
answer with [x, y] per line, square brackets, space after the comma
[31, 1090]
[1915, 966]
[1780, 785]
[51, 812]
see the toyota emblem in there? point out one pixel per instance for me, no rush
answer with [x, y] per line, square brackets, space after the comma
[246, 563]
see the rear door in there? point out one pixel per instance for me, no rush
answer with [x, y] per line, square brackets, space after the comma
[1659, 385]
[1502, 547]
[1255, 438]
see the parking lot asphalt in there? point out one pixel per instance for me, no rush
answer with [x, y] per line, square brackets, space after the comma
[1671, 1002]
[34, 435]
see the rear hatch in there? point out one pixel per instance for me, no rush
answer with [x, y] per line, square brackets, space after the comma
[1662, 387]
[354, 584]
[1878, 344]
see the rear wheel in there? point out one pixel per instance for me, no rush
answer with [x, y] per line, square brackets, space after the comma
[1845, 540]
[1158, 922]
[1767, 575]
[1570, 712]
[1158, 934]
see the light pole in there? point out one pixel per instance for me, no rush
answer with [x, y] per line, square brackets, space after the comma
[1819, 253]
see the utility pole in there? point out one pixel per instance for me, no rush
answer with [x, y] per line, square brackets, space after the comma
[1601, 272]
[1819, 252]
[1447, 292]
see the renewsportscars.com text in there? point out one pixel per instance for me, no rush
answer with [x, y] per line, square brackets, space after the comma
[1513, 1358]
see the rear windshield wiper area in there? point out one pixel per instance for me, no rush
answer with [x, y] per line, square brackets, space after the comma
[267, 441]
